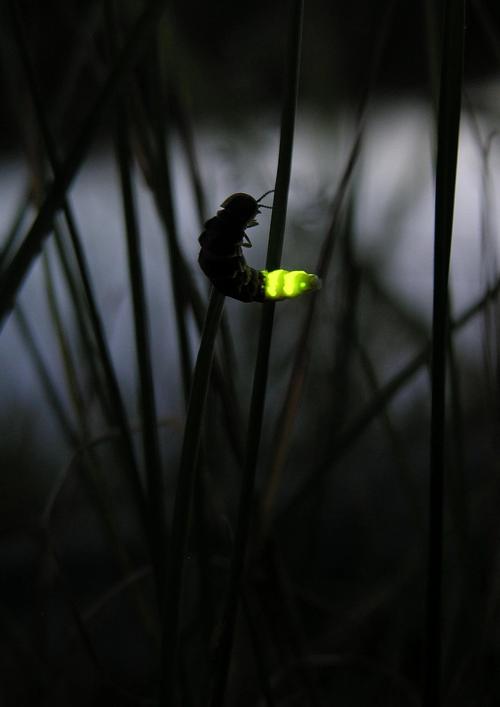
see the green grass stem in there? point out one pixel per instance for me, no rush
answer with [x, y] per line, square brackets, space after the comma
[67, 359]
[289, 410]
[49, 386]
[286, 418]
[113, 390]
[78, 297]
[223, 649]
[161, 176]
[450, 91]
[147, 403]
[182, 122]
[184, 500]
[149, 117]
[225, 383]
[155, 172]
[13, 277]
[15, 228]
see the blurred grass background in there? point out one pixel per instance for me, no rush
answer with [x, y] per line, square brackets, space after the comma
[288, 563]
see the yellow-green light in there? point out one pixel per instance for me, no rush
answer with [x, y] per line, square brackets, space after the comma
[286, 284]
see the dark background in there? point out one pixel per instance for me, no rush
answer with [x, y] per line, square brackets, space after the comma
[229, 57]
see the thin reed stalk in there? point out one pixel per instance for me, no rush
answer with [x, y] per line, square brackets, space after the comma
[66, 355]
[162, 181]
[153, 155]
[223, 649]
[15, 228]
[47, 382]
[291, 402]
[60, 173]
[224, 381]
[289, 410]
[184, 501]
[150, 437]
[447, 149]
[29, 250]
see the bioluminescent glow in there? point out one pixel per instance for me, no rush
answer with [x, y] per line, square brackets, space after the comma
[286, 284]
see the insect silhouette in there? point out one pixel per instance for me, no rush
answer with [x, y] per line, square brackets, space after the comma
[221, 256]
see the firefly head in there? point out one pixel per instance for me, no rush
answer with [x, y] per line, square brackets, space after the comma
[241, 209]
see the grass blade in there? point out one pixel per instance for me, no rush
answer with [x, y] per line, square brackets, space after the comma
[113, 389]
[156, 152]
[290, 406]
[154, 158]
[66, 357]
[447, 149]
[151, 445]
[225, 382]
[291, 402]
[29, 250]
[223, 649]
[49, 386]
[184, 499]
[15, 227]
[150, 438]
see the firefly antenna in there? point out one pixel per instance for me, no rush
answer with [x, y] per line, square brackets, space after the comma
[263, 195]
